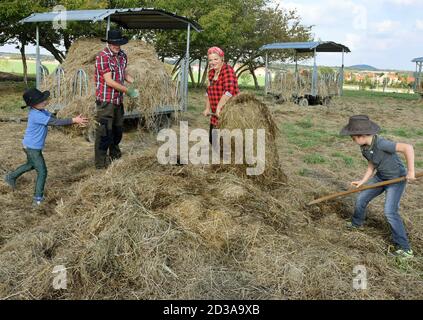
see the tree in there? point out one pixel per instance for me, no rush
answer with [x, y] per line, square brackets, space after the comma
[272, 25]
[326, 70]
[239, 27]
[14, 33]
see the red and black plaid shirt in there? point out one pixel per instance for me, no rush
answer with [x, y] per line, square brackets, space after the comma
[106, 62]
[226, 82]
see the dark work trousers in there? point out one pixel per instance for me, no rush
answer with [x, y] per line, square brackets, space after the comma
[109, 132]
[35, 161]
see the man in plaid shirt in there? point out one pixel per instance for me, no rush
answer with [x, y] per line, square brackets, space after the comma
[223, 84]
[110, 76]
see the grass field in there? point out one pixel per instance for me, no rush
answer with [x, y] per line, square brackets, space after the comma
[15, 66]
[372, 95]
[313, 259]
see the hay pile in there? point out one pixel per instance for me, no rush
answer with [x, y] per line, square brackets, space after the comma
[419, 88]
[246, 112]
[286, 86]
[126, 234]
[151, 78]
[328, 85]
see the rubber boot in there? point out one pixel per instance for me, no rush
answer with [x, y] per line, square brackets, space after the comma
[101, 159]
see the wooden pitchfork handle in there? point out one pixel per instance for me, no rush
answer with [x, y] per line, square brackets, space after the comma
[372, 186]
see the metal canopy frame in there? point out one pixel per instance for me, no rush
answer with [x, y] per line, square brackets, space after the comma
[318, 46]
[418, 75]
[129, 18]
[308, 47]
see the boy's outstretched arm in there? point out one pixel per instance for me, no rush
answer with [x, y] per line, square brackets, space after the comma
[67, 122]
[369, 173]
[408, 151]
[80, 120]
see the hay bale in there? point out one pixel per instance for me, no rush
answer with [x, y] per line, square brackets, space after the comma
[152, 78]
[246, 112]
[327, 85]
[284, 85]
[287, 85]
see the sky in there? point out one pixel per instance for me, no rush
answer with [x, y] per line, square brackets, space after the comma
[386, 34]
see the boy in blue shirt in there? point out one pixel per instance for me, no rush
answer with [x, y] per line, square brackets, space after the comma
[34, 140]
[383, 164]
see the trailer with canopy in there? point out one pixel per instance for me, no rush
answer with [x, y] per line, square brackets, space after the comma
[304, 87]
[129, 18]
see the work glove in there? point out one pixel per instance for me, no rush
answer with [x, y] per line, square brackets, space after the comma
[132, 92]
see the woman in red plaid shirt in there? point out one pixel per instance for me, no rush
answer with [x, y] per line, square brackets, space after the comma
[223, 84]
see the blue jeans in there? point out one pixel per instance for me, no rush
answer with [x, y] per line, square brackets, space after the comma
[35, 161]
[392, 202]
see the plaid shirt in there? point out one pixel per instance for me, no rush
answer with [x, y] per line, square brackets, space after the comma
[106, 62]
[226, 83]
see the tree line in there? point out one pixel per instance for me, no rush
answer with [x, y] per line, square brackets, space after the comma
[239, 27]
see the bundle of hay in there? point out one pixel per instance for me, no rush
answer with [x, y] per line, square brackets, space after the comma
[284, 85]
[246, 112]
[287, 85]
[152, 79]
[304, 83]
[322, 87]
[420, 87]
[145, 240]
[327, 85]
[334, 85]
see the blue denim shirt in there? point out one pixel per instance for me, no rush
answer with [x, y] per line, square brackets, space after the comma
[36, 131]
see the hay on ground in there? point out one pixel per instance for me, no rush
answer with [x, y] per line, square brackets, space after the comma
[126, 234]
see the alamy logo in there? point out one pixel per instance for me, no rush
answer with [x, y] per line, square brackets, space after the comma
[60, 281]
[249, 147]
[360, 279]
[59, 21]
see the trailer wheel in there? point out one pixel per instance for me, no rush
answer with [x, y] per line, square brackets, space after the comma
[303, 102]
